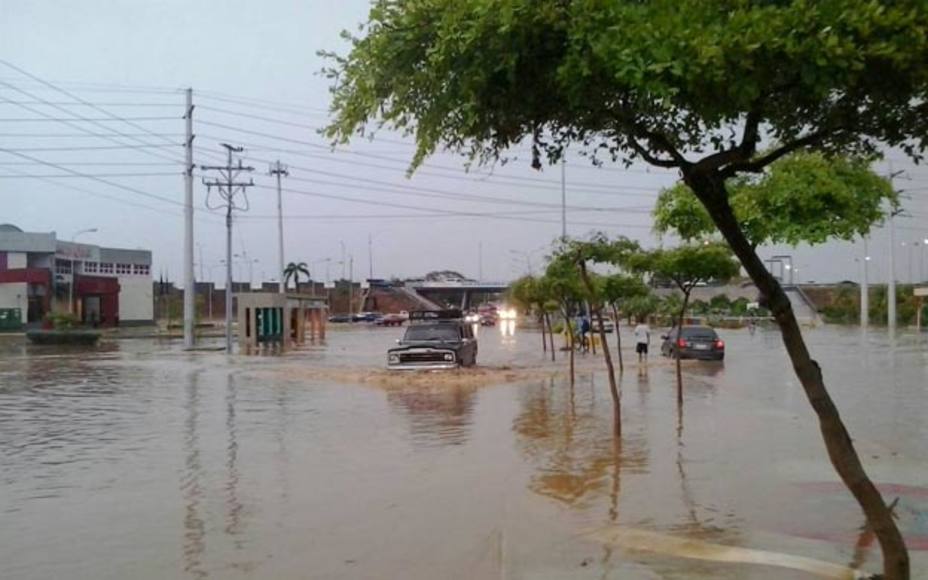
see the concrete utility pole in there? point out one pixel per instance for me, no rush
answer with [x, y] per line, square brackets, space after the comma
[480, 261]
[228, 188]
[344, 258]
[350, 284]
[865, 288]
[279, 170]
[564, 197]
[370, 257]
[189, 283]
[891, 291]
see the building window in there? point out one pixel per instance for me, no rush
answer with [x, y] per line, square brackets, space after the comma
[140, 269]
[63, 266]
[106, 267]
[123, 269]
[90, 267]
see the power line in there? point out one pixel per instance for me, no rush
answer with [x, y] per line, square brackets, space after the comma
[83, 119]
[375, 156]
[97, 148]
[86, 175]
[76, 135]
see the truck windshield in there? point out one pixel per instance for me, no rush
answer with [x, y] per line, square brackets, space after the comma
[437, 332]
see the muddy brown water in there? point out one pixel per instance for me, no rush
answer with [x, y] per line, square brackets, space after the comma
[137, 460]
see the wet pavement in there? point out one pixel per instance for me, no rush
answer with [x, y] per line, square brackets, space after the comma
[137, 460]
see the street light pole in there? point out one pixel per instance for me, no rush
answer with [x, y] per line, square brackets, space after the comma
[865, 289]
[73, 272]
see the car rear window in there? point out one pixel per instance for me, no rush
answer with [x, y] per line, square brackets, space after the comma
[700, 332]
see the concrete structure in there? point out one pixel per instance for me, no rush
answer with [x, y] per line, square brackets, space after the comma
[41, 274]
[271, 318]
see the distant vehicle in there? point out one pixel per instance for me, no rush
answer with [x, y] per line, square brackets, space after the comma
[608, 325]
[366, 316]
[472, 318]
[390, 320]
[340, 318]
[488, 319]
[699, 342]
[434, 339]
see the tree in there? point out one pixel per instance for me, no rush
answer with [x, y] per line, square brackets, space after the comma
[529, 293]
[293, 270]
[619, 290]
[796, 200]
[686, 266]
[688, 85]
[564, 288]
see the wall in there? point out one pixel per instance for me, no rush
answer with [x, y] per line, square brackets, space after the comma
[16, 260]
[135, 299]
[8, 296]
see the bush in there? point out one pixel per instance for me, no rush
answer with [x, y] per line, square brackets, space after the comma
[62, 320]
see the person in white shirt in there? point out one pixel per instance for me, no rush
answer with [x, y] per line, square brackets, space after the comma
[642, 340]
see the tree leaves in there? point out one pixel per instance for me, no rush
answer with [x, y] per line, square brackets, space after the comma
[803, 198]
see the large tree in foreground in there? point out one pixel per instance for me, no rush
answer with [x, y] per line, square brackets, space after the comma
[696, 86]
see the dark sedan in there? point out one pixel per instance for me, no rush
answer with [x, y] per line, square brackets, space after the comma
[699, 342]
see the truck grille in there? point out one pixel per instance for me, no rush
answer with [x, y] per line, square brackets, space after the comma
[414, 357]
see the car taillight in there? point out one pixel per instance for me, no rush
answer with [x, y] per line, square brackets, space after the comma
[682, 343]
[720, 344]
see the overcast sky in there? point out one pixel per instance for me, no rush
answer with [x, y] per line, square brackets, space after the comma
[253, 68]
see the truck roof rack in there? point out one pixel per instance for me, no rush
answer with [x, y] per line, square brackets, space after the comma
[449, 315]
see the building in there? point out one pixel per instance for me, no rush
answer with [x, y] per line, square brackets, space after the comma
[41, 274]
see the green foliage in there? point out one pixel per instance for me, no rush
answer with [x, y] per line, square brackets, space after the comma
[805, 197]
[689, 264]
[636, 79]
[642, 306]
[293, 271]
[720, 303]
[563, 281]
[63, 320]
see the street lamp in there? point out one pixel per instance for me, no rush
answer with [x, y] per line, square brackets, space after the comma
[71, 285]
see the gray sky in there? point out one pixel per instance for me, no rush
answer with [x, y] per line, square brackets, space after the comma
[246, 60]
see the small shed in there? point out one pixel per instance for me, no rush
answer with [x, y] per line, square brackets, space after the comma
[272, 318]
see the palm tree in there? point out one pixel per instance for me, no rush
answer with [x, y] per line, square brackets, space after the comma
[293, 270]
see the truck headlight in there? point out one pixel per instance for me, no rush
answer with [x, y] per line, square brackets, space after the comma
[449, 357]
[393, 358]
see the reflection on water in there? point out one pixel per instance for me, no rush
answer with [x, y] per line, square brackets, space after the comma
[191, 486]
[567, 432]
[439, 415]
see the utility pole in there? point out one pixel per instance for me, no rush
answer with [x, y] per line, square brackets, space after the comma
[344, 261]
[480, 261]
[891, 291]
[228, 188]
[189, 289]
[350, 284]
[865, 289]
[279, 170]
[564, 197]
[370, 257]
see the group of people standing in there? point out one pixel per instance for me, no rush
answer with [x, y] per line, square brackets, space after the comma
[582, 328]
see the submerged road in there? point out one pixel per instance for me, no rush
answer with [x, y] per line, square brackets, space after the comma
[137, 460]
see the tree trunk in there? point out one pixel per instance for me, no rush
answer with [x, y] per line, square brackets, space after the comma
[710, 188]
[544, 340]
[613, 387]
[676, 348]
[592, 345]
[570, 342]
[550, 334]
[618, 338]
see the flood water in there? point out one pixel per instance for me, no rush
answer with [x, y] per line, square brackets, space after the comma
[137, 460]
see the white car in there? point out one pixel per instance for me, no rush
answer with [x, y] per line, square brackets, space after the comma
[608, 325]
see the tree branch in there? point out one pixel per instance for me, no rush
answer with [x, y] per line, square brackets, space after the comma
[758, 164]
[741, 152]
[646, 155]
